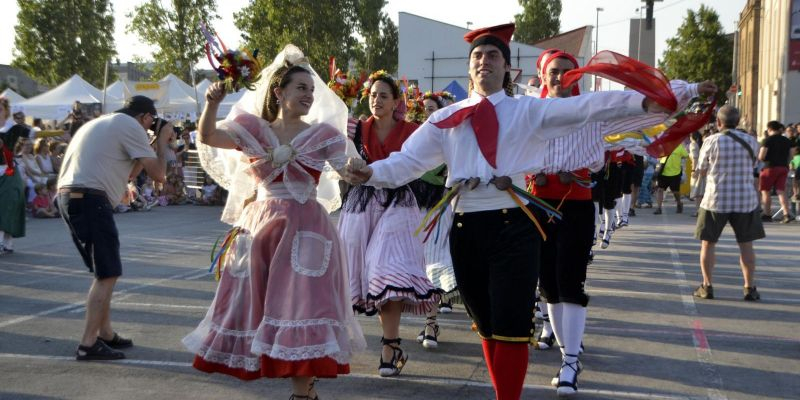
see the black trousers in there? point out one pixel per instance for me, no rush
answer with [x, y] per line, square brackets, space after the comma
[565, 253]
[496, 262]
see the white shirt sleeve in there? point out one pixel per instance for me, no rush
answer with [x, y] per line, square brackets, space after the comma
[420, 153]
[554, 117]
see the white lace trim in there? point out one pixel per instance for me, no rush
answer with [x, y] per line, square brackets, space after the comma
[311, 270]
[301, 322]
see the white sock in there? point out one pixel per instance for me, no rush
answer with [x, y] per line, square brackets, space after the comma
[609, 224]
[626, 205]
[8, 241]
[556, 311]
[573, 323]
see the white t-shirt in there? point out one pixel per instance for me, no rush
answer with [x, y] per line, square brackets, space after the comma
[102, 155]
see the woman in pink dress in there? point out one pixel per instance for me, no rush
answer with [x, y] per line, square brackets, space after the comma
[282, 306]
[386, 261]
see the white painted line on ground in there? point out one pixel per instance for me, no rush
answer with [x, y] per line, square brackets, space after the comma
[79, 305]
[434, 381]
[156, 306]
[701, 347]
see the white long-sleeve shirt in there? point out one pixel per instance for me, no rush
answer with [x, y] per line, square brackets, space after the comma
[525, 124]
[585, 147]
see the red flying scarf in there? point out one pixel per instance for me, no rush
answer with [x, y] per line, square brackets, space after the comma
[634, 74]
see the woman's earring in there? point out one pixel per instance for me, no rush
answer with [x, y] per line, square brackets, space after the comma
[278, 101]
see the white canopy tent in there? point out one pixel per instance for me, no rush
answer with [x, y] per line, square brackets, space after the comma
[13, 97]
[57, 103]
[201, 88]
[227, 103]
[173, 97]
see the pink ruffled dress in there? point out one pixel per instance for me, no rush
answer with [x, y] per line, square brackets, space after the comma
[282, 306]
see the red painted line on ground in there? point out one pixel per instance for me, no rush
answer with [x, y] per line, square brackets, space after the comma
[700, 335]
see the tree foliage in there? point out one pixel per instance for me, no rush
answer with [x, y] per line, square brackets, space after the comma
[540, 19]
[56, 39]
[174, 32]
[322, 29]
[700, 50]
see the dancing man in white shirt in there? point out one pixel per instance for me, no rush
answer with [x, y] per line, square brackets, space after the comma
[487, 158]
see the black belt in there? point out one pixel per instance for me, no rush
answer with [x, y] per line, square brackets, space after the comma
[84, 190]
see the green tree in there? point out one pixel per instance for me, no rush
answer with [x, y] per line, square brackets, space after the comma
[56, 39]
[540, 19]
[319, 28]
[322, 29]
[379, 47]
[701, 50]
[174, 32]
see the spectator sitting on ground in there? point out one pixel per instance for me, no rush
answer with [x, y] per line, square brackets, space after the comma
[52, 188]
[174, 191]
[41, 150]
[57, 150]
[138, 201]
[43, 204]
[210, 193]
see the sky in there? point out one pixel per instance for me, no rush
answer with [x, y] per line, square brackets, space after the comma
[613, 21]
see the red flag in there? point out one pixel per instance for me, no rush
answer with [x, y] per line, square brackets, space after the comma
[669, 140]
[634, 74]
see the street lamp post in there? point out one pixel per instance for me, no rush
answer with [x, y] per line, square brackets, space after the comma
[596, 38]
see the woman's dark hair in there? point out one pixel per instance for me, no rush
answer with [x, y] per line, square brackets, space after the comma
[436, 99]
[389, 81]
[280, 79]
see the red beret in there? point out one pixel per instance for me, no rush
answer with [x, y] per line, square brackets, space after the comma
[502, 32]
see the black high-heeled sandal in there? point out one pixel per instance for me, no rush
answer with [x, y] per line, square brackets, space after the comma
[308, 396]
[567, 388]
[428, 341]
[398, 361]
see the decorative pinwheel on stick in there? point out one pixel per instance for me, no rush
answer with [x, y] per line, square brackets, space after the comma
[237, 68]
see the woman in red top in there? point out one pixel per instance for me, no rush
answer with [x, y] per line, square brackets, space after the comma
[386, 261]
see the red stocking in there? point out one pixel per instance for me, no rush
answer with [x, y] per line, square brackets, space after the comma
[488, 355]
[510, 364]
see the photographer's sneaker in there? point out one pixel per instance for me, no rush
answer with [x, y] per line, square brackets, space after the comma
[751, 294]
[98, 351]
[705, 292]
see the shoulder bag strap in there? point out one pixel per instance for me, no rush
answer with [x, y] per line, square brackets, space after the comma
[743, 143]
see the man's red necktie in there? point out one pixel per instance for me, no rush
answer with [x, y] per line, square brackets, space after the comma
[484, 123]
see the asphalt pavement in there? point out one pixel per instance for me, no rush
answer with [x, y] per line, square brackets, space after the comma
[646, 336]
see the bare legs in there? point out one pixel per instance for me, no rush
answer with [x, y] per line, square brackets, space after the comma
[747, 261]
[302, 386]
[98, 311]
[390, 322]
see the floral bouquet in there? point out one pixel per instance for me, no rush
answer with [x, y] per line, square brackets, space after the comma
[415, 108]
[446, 96]
[347, 86]
[237, 68]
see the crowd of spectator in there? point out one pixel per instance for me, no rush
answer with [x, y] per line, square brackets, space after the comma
[39, 155]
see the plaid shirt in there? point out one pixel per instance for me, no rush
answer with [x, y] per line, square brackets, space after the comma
[729, 183]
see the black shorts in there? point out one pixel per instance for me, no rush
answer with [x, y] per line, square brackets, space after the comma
[565, 254]
[627, 172]
[90, 220]
[496, 264]
[609, 186]
[637, 174]
[672, 183]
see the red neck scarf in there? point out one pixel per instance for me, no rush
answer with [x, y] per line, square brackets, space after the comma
[393, 142]
[484, 124]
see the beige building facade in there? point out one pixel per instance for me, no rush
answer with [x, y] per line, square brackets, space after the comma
[768, 63]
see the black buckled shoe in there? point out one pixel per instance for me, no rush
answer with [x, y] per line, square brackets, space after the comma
[398, 361]
[98, 351]
[117, 342]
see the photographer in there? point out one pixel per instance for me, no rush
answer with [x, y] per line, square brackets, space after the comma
[97, 166]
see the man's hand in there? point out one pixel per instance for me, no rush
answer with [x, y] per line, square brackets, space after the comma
[215, 93]
[706, 88]
[357, 171]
